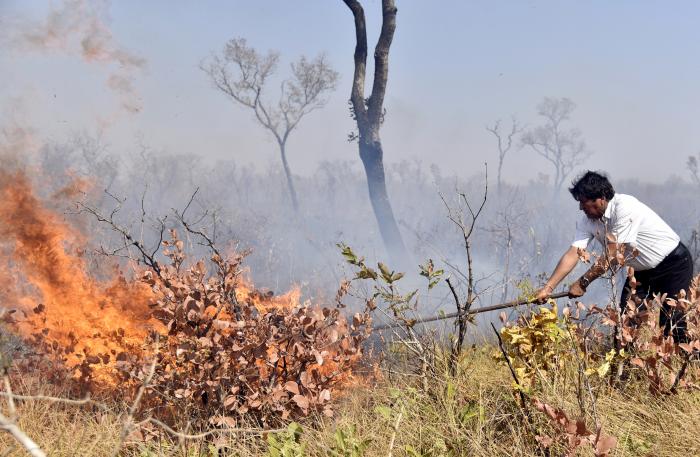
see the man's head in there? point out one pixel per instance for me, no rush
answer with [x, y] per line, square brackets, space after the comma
[593, 191]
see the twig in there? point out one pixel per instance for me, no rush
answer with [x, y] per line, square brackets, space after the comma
[197, 436]
[10, 400]
[679, 376]
[394, 431]
[512, 370]
[26, 442]
[458, 304]
[129, 422]
[146, 258]
[68, 401]
[582, 378]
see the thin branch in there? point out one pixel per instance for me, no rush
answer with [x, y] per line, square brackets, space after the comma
[129, 421]
[194, 194]
[8, 424]
[523, 403]
[67, 401]
[395, 429]
[147, 258]
[454, 295]
[10, 399]
[21, 437]
[208, 433]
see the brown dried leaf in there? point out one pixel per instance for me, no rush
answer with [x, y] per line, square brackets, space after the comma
[301, 401]
[291, 386]
[604, 445]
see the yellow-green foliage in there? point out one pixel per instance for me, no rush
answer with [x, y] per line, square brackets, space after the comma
[540, 342]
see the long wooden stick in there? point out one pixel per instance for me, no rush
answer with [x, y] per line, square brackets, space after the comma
[485, 309]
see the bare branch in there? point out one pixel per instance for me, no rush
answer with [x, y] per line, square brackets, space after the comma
[10, 398]
[128, 424]
[523, 403]
[208, 433]
[504, 145]
[49, 399]
[8, 424]
[32, 448]
[357, 94]
[381, 62]
[147, 258]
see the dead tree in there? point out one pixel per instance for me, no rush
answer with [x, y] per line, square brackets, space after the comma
[466, 225]
[243, 74]
[694, 169]
[369, 114]
[505, 234]
[505, 142]
[563, 148]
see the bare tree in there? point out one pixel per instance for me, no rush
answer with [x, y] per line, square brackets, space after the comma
[505, 142]
[693, 243]
[369, 115]
[243, 74]
[563, 148]
[466, 226]
[694, 168]
[505, 234]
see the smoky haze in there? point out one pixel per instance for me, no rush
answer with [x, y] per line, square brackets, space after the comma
[113, 92]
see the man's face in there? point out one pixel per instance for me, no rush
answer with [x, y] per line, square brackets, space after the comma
[594, 209]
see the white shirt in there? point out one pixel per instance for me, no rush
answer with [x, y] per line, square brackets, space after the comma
[633, 223]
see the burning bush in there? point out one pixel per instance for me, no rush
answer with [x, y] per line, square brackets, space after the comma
[222, 351]
[230, 351]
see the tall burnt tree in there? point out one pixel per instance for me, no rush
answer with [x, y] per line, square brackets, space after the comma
[368, 114]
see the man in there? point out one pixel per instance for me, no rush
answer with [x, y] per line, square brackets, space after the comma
[623, 224]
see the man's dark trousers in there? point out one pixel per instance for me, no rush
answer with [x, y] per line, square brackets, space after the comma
[672, 275]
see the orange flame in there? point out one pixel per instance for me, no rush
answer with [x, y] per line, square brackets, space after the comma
[43, 274]
[93, 318]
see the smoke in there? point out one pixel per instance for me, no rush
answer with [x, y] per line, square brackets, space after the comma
[79, 28]
[16, 143]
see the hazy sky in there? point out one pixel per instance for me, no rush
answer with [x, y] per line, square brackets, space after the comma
[632, 67]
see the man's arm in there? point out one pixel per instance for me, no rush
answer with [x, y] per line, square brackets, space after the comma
[567, 263]
[601, 265]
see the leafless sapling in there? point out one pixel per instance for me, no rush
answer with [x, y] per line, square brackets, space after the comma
[505, 142]
[466, 225]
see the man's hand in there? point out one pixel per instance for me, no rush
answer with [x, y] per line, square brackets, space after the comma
[576, 290]
[543, 294]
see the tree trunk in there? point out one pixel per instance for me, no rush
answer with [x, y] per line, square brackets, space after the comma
[288, 174]
[371, 155]
[369, 116]
[500, 166]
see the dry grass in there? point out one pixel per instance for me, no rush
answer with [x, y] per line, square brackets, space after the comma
[476, 413]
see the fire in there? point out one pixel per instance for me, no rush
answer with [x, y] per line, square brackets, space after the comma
[59, 301]
[273, 356]
[266, 301]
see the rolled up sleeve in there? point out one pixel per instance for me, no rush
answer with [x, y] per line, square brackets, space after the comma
[583, 236]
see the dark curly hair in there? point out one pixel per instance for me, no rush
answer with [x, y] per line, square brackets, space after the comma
[592, 185]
